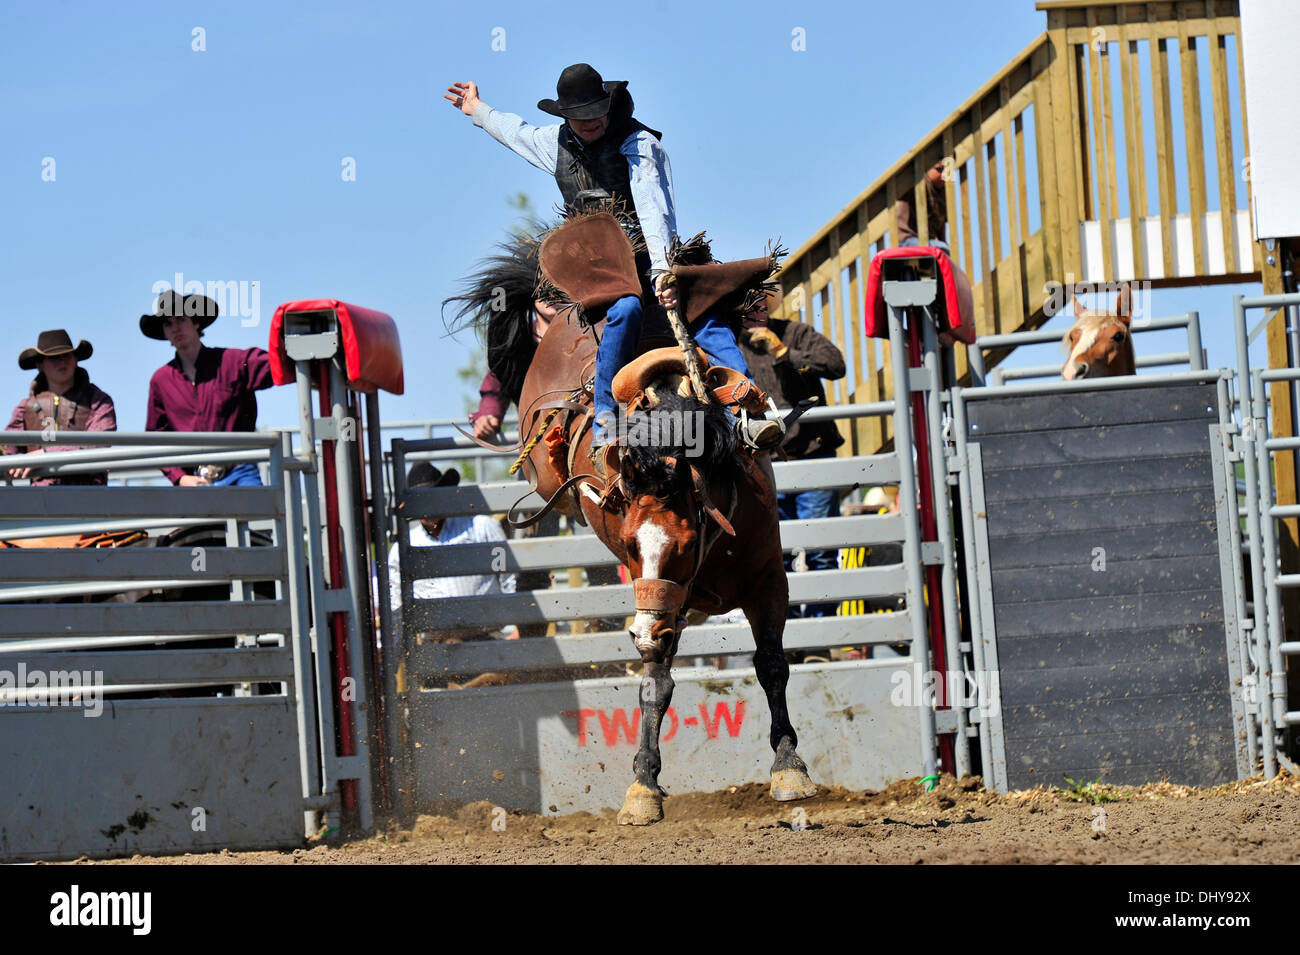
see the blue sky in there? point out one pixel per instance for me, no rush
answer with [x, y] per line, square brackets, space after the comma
[225, 164]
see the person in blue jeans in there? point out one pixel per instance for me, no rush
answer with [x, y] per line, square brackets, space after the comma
[600, 151]
[790, 360]
[618, 346]
[804, 506]
[202, 388]
[241, 475]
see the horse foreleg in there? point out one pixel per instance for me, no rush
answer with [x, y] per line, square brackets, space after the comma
[790, 779]
[644, 802]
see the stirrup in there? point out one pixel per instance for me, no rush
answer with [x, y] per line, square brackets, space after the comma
[611, 497]
[760, 434]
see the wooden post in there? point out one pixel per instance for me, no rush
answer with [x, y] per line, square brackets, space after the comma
[1193, 140]
[1131, 82]
[1067, 148]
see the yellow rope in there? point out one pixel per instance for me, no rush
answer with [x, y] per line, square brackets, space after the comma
[528, 448]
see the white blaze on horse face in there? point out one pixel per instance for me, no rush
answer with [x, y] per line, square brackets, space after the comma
[652, 540]
[1087, 338]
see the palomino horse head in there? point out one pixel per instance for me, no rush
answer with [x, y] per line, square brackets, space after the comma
[679, 456]
[1099, 342]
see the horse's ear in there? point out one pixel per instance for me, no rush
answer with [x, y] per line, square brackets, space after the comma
[1079, 310]
[683, 469]
[1124, 305]
[626, 469]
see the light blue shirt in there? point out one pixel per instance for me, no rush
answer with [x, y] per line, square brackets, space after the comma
[479, 529]
[650, 175]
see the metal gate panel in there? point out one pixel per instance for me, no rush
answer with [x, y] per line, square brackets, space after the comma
[706, 639]
[95, 772]
[1104, 559]
[521, 745]
[568, 747]
[129, 781]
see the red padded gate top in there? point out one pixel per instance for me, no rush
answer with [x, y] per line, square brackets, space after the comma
[372, 351]
[954, 306]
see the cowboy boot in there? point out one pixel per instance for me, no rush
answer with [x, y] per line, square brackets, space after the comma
[611, 496]
[759, 434]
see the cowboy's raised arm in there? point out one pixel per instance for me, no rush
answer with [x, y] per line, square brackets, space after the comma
[651, 179]
[540, 145]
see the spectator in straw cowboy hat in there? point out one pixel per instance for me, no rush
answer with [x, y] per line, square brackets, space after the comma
[202, 388]
[61, 398]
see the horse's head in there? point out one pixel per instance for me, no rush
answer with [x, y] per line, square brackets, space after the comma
[661, 531]
[1099, 342]
[674, 454]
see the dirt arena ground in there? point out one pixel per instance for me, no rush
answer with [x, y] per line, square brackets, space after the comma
[1255, 821]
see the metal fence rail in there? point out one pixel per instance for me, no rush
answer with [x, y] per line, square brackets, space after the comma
[210, 699]
[1265, 658]
[1193, 356]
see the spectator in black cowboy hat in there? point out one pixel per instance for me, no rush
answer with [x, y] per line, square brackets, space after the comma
[61, 398]
[202, 388]
[438, 532]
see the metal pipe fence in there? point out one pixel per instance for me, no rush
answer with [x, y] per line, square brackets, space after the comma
[1193, 356]
[1256, 447]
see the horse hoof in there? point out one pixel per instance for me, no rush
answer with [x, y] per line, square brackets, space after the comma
[641, 807]
[791, 784]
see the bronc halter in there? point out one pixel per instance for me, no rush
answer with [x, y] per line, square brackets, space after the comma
[660, 597]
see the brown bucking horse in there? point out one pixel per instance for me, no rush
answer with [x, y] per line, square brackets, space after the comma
[1100, 343]
[692, 516]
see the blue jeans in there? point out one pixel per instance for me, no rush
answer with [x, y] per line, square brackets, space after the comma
[241, 475]
[621, 335]
[803, 506]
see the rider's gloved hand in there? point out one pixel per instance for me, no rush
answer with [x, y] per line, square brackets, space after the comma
[766, 341]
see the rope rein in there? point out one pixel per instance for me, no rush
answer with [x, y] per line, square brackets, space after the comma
[532, 442]
[546, 423]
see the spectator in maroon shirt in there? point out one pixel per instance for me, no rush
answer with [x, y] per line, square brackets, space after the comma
[61, 399]
[494, 396]
[202, 388]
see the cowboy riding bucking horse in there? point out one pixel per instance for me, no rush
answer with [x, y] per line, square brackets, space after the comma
[604, 159]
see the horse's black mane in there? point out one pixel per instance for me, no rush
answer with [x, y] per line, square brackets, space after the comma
[497, 302]
[713, 452]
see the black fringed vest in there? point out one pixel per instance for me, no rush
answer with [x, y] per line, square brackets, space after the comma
[600, 165]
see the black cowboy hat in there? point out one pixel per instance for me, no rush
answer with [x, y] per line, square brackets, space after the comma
[171, 304]
[424, 474]
[582, 94]
[52, 344]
